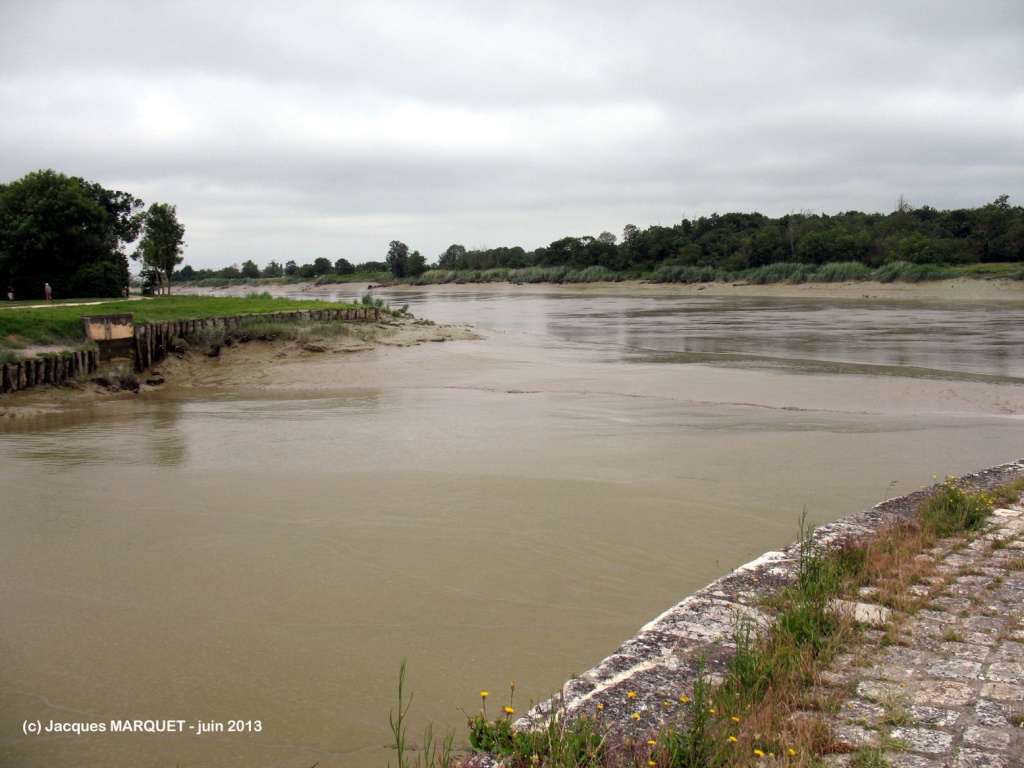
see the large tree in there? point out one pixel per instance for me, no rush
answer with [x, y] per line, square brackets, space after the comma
[65, 231]
[163, 238]
[398, 258]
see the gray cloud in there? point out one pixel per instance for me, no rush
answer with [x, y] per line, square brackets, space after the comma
[301, 129]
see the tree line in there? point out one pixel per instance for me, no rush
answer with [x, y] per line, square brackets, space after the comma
[731, 242]
[72, 234]
[739, 241]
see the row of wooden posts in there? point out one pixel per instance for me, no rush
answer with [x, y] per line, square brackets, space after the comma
[51, 369]
[151, 344]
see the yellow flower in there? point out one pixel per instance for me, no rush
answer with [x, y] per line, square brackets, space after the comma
[735, 719]
[712, 712]
[792, 752]
[600, 707]
[652, 742]
[509, 711]
[666, 704]
[759, 753]
[484, 694]
[732, 739]
[684, 699]
[651, 763]
[631, 694]
[636, 715]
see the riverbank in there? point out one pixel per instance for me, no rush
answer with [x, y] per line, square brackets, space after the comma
[235, 363]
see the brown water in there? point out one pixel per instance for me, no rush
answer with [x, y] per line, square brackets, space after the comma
[511, 508]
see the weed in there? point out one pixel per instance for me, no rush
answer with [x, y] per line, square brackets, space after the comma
[436, 754]
[869, 757]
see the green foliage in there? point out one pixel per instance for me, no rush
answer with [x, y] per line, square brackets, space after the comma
[577, 742]
[953, 509]
[869, 757]
[163, 238]
[700, 744]
[57, 229]
[397, 258]
[435, 754]
[249, 269]
[841, 272]
[100, 279]
[911, 273]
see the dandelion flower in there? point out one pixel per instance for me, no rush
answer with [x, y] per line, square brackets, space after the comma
[484, 694]
[732, 739]
[735, 719]
[759, 753]
[652, 742]
[636, 715]
[712, 712]
[651, 763]
[631, 694]
[666, 704]
[792, 752]
[684, 699]
[600, 707]
[509, 711]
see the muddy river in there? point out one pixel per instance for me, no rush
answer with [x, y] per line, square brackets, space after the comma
[250, 563]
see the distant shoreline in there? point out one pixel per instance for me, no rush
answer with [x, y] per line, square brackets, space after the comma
[957, 289]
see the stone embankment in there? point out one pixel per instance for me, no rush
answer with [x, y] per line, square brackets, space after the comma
[950, 693]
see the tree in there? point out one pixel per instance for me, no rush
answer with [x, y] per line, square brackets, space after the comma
[397, 258]
[416, 265]
[163, 236]
[273, 269]
[453, 258]
[65, 231]
[321, 266]
[250, 269]
[344, 267]
[291, 268]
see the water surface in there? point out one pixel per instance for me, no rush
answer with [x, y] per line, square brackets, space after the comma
[504, 509]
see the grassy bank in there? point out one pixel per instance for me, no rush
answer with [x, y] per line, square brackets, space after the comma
[758, 713]
[61, 324]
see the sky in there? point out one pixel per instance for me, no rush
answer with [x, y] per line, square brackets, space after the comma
[294, 130]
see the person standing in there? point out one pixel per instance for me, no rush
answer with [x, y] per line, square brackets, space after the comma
[10, 293]
[49, 294]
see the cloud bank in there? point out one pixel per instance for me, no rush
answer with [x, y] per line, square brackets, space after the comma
[304, 129]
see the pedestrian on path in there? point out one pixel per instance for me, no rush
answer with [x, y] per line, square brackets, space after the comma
[49, 295]
[10, 293]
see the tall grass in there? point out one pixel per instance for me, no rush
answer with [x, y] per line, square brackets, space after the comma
[906, 272]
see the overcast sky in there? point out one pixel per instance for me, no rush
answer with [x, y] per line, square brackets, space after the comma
[292, 130]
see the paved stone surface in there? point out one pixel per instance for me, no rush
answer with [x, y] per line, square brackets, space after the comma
[951, 693]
